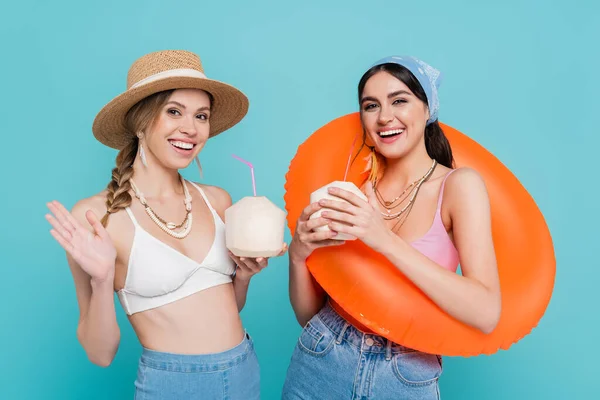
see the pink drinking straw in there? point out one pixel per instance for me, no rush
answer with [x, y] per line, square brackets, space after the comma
[251, 171]
[350, 156]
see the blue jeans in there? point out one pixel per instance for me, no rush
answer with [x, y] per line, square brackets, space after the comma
[334, 360]
[233, 374]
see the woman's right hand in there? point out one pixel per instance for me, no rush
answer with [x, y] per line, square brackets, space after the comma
[93, 251]
[306, 240]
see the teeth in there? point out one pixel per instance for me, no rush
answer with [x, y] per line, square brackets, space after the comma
[182, 145]
[390, 133]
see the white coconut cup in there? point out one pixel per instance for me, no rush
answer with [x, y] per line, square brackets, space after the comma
[254, 227]
[323, 194]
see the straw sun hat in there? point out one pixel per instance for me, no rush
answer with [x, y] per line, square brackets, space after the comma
[166, 70]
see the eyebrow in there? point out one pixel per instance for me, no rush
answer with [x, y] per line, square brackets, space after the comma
[393, 94]
[182, 106]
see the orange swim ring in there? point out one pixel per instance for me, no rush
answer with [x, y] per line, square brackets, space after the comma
[375, 293]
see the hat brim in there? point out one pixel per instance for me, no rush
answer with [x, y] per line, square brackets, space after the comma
[229, 106]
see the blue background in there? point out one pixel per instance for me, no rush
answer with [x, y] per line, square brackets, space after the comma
[520, 78]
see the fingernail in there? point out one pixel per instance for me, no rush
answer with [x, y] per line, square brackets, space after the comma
[259, 259]
[242, 259]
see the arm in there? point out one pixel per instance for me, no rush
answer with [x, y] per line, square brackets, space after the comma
[240, 286]
[306, 295]
[246, 268]
[474, 297]
[97, 331]
[91, 258]
[221, 201]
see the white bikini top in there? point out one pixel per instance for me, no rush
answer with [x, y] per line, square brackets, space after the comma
[158, 274]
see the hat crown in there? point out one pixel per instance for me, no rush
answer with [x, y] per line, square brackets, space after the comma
[160, 61]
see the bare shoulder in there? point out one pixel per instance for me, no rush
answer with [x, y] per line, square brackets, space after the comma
[465, 186]
[465, 180]
[218, 197]
[95, 203]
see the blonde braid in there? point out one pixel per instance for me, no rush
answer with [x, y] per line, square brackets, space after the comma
[118, 196]
[138, 119]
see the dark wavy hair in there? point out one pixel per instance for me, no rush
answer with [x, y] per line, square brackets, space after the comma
[436, 143]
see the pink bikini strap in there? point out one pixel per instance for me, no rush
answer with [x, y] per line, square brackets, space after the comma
[441, 195]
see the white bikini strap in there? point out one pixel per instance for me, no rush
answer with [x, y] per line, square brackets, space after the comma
[130, 213]
[203, 196]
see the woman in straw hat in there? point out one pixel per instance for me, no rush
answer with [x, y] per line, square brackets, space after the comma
[160, 243]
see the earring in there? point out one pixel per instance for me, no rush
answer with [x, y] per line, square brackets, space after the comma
[199, 167]
[143, 156]
[140, 135]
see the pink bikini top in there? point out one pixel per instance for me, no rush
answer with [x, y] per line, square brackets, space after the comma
[436, 243]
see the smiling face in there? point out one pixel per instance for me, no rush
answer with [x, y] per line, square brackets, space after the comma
[394, 118]
[180, 130]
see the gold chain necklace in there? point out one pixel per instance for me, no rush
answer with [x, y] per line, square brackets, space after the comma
[415, 190]
[403, 197]
[169, 227]
[386, 203]
[402, 219]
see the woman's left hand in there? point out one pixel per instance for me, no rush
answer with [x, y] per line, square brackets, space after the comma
[248, 267]
[360, 218]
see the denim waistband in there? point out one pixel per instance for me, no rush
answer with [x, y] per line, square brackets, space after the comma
[367, 342]
[198, 362]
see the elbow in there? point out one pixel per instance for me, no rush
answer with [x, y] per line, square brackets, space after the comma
[304, 316]
[488, 326]
[302, 320]
[490, 319]
[101, 354]
[101, 360]
[299, 312]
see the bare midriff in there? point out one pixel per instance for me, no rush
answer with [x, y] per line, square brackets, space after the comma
[205, 322]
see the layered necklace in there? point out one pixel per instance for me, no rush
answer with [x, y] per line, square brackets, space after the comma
[169, 227]
[409, 193]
